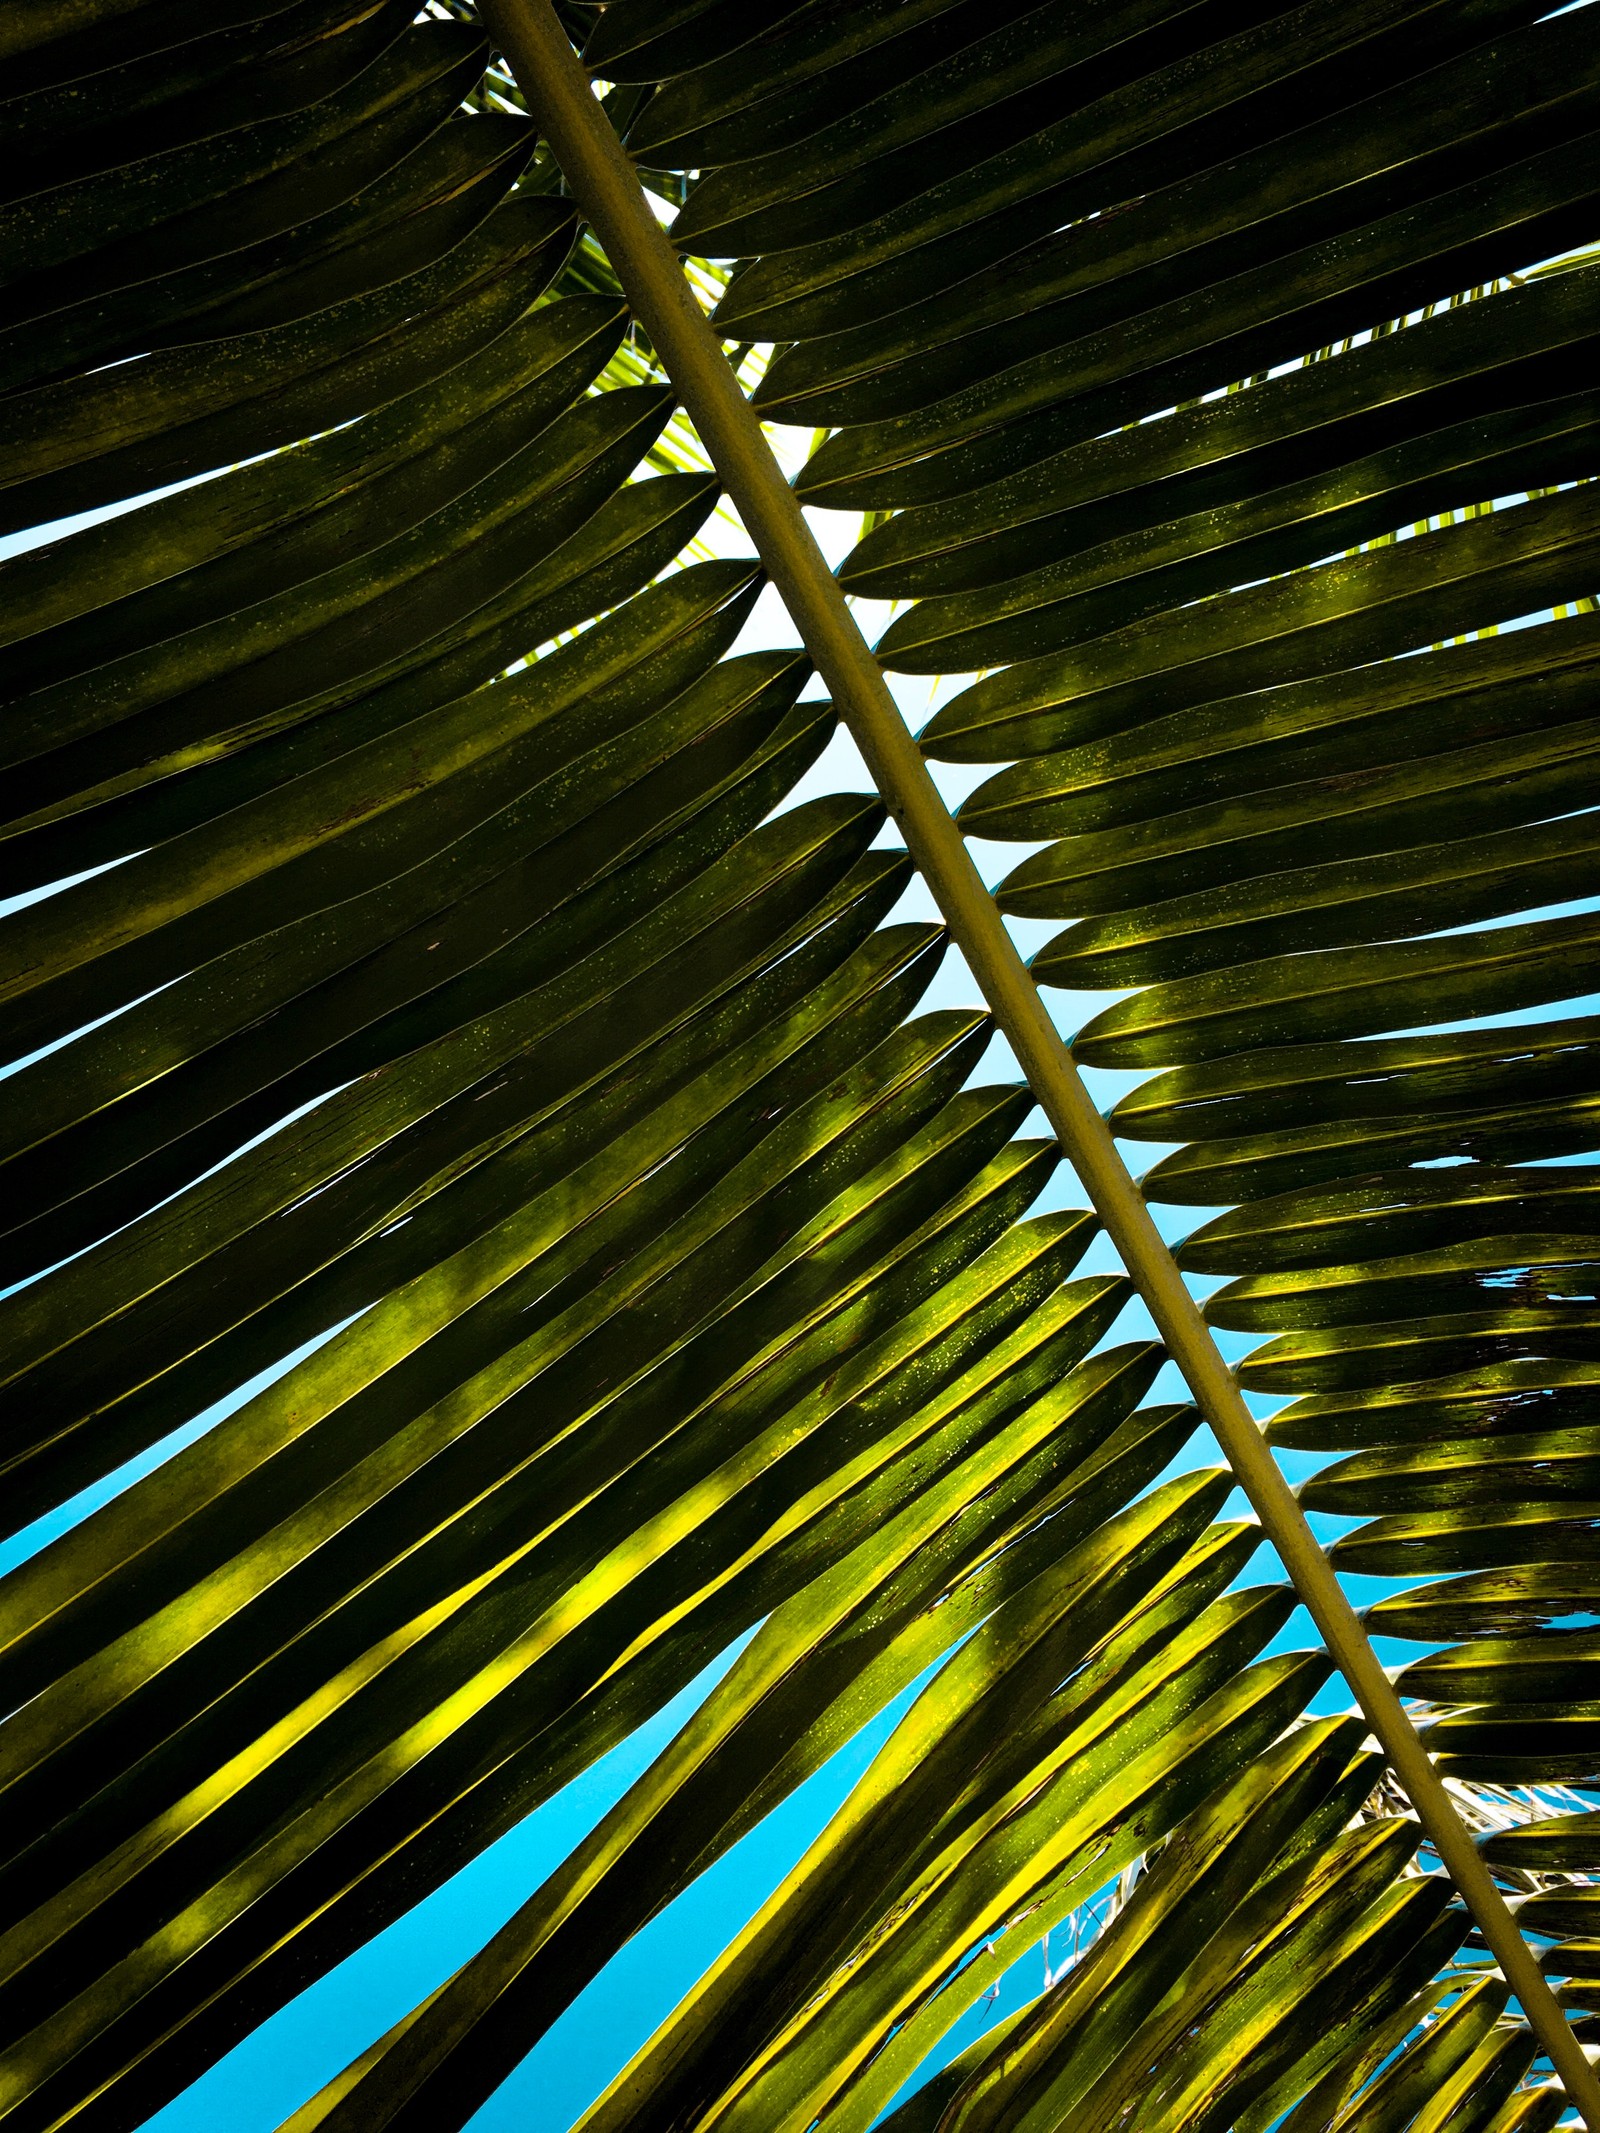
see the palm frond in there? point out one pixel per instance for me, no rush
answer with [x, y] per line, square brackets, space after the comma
[433, 1017]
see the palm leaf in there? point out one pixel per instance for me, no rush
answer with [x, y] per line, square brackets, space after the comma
[434, 1013]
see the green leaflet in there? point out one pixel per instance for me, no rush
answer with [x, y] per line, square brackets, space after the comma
[1533, 2110]
[1565, 1842]
[881, 1291]
[1346, 992]
[1344, 723]
[1499, 1744]
[839, 1648]
[833, 169]
[323, 489]
[1032, 180]
[1316, 908]
[684, 33]
[1542, 1535]
[476, 1128]
[1352, 1943]
[1321, 1086]
[819, 844]
[534, 1617]
[476, 1123]
[819, 1887]
[924, 2107]
[1353, 2065]
[441, 967]
[1467, 1470]
[608, 558]
[1065, 286]
[400, 978]
[1510, 1669]
[190, 88]
[497, 526]
[1140, 1971]
[55, 45]
[1527, 1598]
[70, 445]
[692, 759]
[1472, 2095]
[988, 106]
[1107, 583]
[655, 655]
[684, 1141]
[113, 230]
[403, 220]
[1547, 1270]
[747, 102]
[1311, 299]
[1262, 1166]
[1408, 1210]
[1347, 1358]
[1413, 2078]
[1383, 601]
[242, 771]
[1574, 1958]
[870, 2093]
[1117, 329]
[1360, 818]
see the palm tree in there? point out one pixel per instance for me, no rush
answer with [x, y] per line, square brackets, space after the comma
[487, 1226]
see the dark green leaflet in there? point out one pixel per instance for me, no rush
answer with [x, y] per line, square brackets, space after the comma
[172, 215]
[989, 323]
[164, 417]
[534, 370]
[1419, 2075]
[1155, 1984]
[215, 81]
[1563, 1841]
[989, 1822]
[1389, 714]
[869, 1615]
[1321, 295]
[351, 1794]
[1385, 600]
[1174, 117]
[728, 109]
[403, 220]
